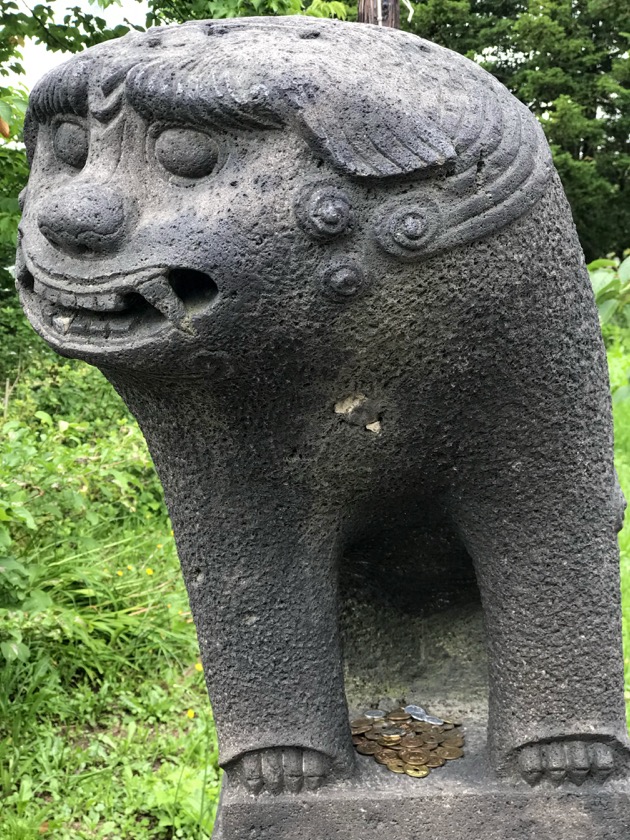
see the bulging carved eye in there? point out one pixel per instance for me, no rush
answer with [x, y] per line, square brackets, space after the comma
[71, 144]
[186, 152]
[324, 211]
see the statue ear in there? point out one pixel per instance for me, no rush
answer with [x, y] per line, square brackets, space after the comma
[375, 139]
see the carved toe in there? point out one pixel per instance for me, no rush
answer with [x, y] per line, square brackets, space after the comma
[280, 770]
[555, 763]
[572, 761]
[578, 762]
[272, 770]
[315, 769]
[293, 772]
[251, 767]
[530, 763]
[602, 761]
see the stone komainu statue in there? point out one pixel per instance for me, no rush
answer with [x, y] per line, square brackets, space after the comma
[333, 274]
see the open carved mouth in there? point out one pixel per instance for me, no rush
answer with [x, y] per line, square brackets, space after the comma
[143, 302]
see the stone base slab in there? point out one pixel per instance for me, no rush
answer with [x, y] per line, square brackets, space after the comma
[461, 801]
[409, 815]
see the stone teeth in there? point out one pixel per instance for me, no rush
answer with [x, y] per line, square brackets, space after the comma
[62, 323]
[110, 302]
[120, 326]
[159, 293]
[66, 299]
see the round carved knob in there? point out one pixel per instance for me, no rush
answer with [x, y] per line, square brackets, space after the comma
[344, 279]
[405, 231]
[324, 211]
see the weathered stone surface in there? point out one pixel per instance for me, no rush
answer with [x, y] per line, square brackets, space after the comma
[351, 315]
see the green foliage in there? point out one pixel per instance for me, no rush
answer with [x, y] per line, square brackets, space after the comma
[97, 645]
[610, 278]
[13, 176]
[78, 30]
[166, 11]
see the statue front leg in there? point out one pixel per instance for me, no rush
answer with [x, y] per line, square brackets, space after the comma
[262, 581]
[540, 522]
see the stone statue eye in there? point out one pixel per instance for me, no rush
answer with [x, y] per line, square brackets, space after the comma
[71, 144]
[186, 152]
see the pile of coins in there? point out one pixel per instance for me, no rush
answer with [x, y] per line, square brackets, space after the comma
[407, 740]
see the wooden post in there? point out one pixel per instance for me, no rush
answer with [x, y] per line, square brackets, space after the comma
[387, 10]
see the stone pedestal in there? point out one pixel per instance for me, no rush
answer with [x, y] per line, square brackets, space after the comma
[461, 801]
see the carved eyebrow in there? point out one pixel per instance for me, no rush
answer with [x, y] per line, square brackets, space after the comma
[190, 92]
[202, 92]
[63, 90]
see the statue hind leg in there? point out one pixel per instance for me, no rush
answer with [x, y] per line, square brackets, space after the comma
[538, 506]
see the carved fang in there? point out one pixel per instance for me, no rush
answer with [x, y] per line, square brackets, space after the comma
[159, 293]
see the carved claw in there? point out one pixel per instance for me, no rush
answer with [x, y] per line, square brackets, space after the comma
[560, 761]
[281, 769]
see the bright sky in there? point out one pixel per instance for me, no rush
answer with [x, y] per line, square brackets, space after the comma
[37, 60]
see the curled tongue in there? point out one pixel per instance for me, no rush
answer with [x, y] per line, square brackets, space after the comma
[159, 293]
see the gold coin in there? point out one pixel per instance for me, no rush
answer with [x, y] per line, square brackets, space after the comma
[447, 726]
[434, 761]
[398, 715]
[431, 741]
[392, 730]
[388, 740]
[421, 726]
[456, 741]
[415, 756]
[395, 766]
[358, 739]
[449, 753]
[413, 741]
[372, 735]
[362, 721]
[420, 772]
[360, 730]
[384, 755]
[369, 748]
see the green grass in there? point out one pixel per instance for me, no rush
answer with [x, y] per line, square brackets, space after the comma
[106, 731]
[619, 366]
[105, 727]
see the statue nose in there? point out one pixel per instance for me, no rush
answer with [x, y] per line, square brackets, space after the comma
[79, 220]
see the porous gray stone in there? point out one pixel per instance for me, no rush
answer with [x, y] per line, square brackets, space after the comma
[333, 274]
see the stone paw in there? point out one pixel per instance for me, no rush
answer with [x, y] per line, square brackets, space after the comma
[281, 769]
[571, 761]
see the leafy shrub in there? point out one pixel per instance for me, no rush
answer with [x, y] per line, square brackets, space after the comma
[610, 278]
